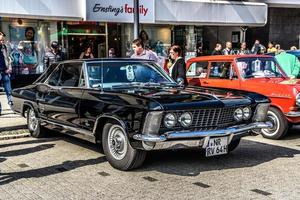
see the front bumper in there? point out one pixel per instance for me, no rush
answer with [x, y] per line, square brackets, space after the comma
[187, 136]
[293, 114]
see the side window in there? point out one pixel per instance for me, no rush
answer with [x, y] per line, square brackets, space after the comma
[70, 75]
[54, 77]
[198, 69]
[222, 70]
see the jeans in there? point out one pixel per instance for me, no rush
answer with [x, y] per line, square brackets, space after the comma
[5, 80]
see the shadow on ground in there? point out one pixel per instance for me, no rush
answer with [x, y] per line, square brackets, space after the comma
[6, 178]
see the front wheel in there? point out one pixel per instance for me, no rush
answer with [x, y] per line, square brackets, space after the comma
[280, 125]
[33, 124]
[117, 149]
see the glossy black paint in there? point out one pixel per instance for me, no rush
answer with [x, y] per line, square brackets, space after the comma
[87, 109]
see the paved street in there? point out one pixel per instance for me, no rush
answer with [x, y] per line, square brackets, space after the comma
[62, 167]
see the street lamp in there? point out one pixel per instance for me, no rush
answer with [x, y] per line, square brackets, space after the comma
[136, 19]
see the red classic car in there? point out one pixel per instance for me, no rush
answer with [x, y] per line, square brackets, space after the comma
[254, 73]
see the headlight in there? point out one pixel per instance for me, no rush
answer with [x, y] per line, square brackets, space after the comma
[246, 113]
[170, 120]
[298, 99]
[238, 114]
[186, 119]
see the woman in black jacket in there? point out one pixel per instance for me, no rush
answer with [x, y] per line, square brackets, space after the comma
[178, 69]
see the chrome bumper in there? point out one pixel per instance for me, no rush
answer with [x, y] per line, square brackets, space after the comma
[293, 114]
[231, 131]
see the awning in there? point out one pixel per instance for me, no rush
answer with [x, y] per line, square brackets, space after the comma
[52, 10]
[206, 12]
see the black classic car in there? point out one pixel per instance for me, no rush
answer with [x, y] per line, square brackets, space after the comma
[131, 106]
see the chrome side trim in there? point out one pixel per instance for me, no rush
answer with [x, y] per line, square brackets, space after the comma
[235, 130]
[293, 114]
[76, 132]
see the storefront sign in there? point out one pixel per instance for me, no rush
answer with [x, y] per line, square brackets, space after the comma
[119, 11]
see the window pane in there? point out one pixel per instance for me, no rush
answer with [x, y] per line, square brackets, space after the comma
[70, 75]
[198, 69]
[54, 77]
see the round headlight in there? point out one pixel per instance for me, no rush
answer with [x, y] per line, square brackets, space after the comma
[246, 113]
[170, 120]
[238, 114]
[185, 119]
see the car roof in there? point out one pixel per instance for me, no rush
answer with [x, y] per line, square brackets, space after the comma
[109, 59]
[226, 57]
[294, 52]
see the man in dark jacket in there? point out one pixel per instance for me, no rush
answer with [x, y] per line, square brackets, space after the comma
[217, 50]
[54, 55]
[5, 70]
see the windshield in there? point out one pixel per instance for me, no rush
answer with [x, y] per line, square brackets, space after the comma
[258, 68]
[126, 73]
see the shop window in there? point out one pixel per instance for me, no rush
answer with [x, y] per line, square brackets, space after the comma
[27, 42]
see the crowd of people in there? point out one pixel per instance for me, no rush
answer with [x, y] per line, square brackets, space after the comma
[257, 48]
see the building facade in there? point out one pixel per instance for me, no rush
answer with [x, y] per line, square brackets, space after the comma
[196, 25]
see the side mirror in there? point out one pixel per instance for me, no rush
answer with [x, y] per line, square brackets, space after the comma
[43, 88]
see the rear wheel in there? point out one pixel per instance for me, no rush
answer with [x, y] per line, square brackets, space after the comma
[117, 149]
[280, 125]
[33, 124]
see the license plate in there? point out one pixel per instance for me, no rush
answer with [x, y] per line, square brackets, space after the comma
[217, 146]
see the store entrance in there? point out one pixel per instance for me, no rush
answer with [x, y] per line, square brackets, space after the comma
[79, 35]
[78, 43]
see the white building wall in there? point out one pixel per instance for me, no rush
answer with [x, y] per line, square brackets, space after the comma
[46, 9]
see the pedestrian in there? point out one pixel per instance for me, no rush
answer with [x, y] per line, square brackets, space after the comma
[289, 63]
[145, 39]
[271, 48]
[53, 55]
[178, 70]
[141, 52]
[278, 48]
[5, 70]
[29, 48]
[111, 53]
[168, 62]
[257, 48]
[217, 50]
[87, 53]
[228, 49]
[243, 50]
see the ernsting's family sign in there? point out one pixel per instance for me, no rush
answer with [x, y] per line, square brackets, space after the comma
[119, 11]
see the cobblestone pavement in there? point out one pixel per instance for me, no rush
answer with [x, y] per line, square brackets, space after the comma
[62, 167]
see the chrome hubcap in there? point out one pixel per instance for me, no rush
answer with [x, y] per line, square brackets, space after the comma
[32, 120]
[275, 121]
[117, 142]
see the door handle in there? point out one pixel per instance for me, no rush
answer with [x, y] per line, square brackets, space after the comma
[205, 82]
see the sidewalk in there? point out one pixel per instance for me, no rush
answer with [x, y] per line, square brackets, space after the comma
[11, 125]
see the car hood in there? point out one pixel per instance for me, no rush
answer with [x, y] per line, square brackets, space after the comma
[197, 97]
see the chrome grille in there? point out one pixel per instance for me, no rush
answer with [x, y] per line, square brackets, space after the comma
[210, 118]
